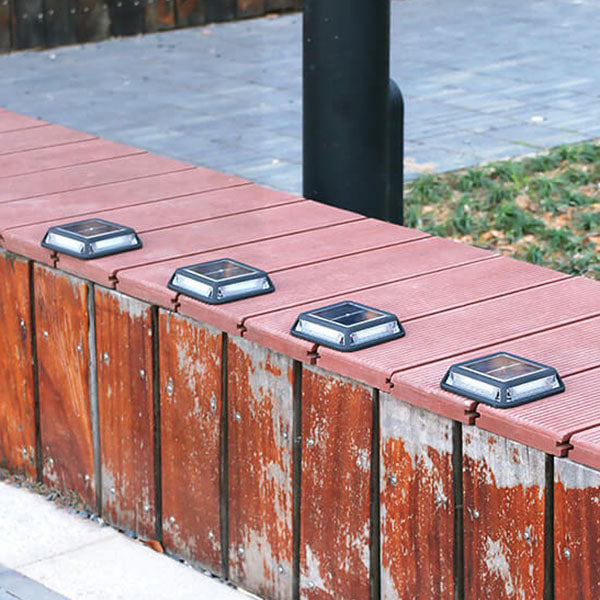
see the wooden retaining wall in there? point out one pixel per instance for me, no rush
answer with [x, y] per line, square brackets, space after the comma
[47, 23]
[286, 468]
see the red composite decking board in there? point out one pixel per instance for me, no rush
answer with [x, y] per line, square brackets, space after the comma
[63, 352]
[188, 239]
[296, 249]
[13, 122]
[161, 214]
[40, 137]
[576, 531]
[335, 530]
[549, 423]
[80, 203]
[260, 397]
[18, 450]
[586, 447]
[124, 342]
[44, 159]
[504, 504]
[86, 176]
[421, 385]
[191, 414]
[417, 503]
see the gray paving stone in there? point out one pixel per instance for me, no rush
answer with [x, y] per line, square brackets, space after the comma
[14, 586]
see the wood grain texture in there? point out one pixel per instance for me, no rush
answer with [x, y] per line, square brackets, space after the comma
[160, 15]
[124, 339]
[191, 412]
[17, 402]
[260, 392]
[335, 534]
[62, 334]
[504, 499]
[417, 505]
[576, 531]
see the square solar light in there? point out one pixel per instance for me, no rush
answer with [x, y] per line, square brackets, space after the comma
[347, 326]
[91, 238]
[502, 380]
[220, 281]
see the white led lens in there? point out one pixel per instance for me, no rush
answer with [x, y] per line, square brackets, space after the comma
[193, 285]
[320, 331]
[470, 384]
[243, 287]
[531, 388]
[65, 242]
[371, 333]
[122, 241]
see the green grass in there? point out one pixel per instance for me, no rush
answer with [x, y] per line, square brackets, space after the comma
[544, 209]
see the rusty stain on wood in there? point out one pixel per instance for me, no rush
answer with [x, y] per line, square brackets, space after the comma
[504, 504]
[577, 531]
[250, 8]
[335, 499]
[62, 323]
[417, 507]
[160, 15]
[191, 406]
[17, 405]
[260, 392]
[125, 403]
[191, 12]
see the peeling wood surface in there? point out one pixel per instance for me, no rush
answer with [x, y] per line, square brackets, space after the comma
[577, 531]
[125, 403]
[17, 402]
[260, 392]
[62, 333]
[504, 496]
[335, 532]
[417, 506]
[191, 409]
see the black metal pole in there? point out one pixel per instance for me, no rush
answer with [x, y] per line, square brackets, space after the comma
[347, 149]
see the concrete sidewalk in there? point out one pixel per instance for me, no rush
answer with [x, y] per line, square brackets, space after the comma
[482, 80]
[48, 554]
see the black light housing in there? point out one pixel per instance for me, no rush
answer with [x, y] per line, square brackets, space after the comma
[91, 238]
[220, 281]
[347, 326]
[502, 380]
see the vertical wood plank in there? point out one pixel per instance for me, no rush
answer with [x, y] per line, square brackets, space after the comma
[577, 531]
[280, 5]
[17, 401]
[250, 8]
[127, 17]
[58, 22]
[28, 23]
[504, 503]
[220, 10]
[124, 344]
[260, 393]
[191, 409]
[160, 15]
[417, 505]
[62, 334]
[335, 534]
[5, 27]
[191, 12]
[91, 20]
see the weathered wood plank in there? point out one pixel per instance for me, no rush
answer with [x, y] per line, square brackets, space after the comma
[17, 401]
[335, 535]
[191, 414]
[160, 15]
[28, 23]
[261, 394]
[504, 506]
[417, 505]
[5, 25]
[91, 20]
[250, 8]
[191, 12]
[63, 350]
[280, 5]
[58, 23]
[124, 345]
[576, 531]
[127, 17]
[220, 10]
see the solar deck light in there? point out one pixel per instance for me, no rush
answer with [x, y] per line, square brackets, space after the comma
[220, 281]
[347, 326]
[502, 380]
[91, 238]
